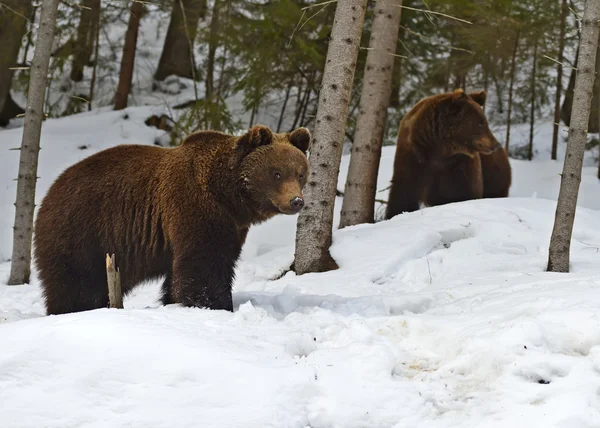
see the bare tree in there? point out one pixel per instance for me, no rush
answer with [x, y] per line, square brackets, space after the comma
[560, 243]
[128, 59]
[14, 15]
[30, 146]
[314, 230]
[361, 184]
[559, 76]
[177, 54]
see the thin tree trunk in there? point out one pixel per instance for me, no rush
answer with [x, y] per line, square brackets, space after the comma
[14, 15]
[128, 58]
[285, 101]
[301, 108]
[510, 89]
[86, 34]
[314, 229]
[361, 183]
[213, 41]
[20, 269]
[560, 242]
[559, 76]
[95, 69]
[176, 58]
[532, 111]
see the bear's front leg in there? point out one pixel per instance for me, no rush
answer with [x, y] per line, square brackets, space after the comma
[204, 266]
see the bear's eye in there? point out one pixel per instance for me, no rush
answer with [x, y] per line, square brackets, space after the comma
[277, 175]
[301, 177]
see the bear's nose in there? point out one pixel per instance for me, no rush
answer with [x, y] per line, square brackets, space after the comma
[297, 204]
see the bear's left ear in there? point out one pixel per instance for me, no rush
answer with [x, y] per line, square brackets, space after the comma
[258, 135]
[300, 138]
[479, 97]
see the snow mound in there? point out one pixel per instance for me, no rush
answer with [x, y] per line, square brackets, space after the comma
[438, 318]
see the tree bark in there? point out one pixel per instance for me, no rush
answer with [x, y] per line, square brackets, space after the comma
[20, 269]
[314, 229]
[560, 242]
[532, 112]
[510, 89]
[86, 35]
[113, 279]
[559, 76]
[177, 55]
[14, 15]
[128, 58]
[361, 184]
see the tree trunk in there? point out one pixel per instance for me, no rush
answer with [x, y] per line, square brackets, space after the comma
[361, 184]
[532, 112]
[213, 41]
[14, 15]
[20, 268]
[560, 242]
[510, 89]
[314, 229]
[95, 69]
[559, 75]
[177, 55]
[86, 35]
[285, 101]
[128, 58]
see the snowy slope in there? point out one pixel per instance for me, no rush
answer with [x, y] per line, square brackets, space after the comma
[438, 318]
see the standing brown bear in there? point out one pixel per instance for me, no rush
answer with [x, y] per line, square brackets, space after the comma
[182, 213]
[446, 153]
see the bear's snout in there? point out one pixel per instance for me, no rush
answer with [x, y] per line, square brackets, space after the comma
[296, 204]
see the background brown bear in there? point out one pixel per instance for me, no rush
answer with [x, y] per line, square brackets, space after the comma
[446, 153]
[182, 213]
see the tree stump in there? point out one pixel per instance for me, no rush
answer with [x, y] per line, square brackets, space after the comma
[113, 277]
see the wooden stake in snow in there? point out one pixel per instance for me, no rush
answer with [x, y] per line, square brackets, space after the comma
[314, 230]
[113, 277]
[20, 268]
[361, 184]
[560, 243]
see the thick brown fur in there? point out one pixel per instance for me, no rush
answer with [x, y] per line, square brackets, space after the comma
[446, 153]
[181, 213]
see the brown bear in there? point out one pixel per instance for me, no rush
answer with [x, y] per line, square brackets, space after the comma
[180, 213]
[446, 153]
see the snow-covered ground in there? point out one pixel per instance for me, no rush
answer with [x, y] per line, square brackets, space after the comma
[438, 318]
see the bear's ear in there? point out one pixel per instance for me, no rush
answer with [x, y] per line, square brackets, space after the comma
[258, 135]
[479, 97]
[300, 138]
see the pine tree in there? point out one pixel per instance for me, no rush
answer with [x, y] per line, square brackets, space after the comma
[20, 269]
[560, 242]
[314, 230]
[361, 183]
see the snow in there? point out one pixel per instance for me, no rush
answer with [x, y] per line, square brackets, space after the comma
[439, 318]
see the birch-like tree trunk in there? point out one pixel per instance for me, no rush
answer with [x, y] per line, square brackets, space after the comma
[128, 58]
[361, 184]
[20, 269]
[314, 230]
[560, 243]
[559, 76]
